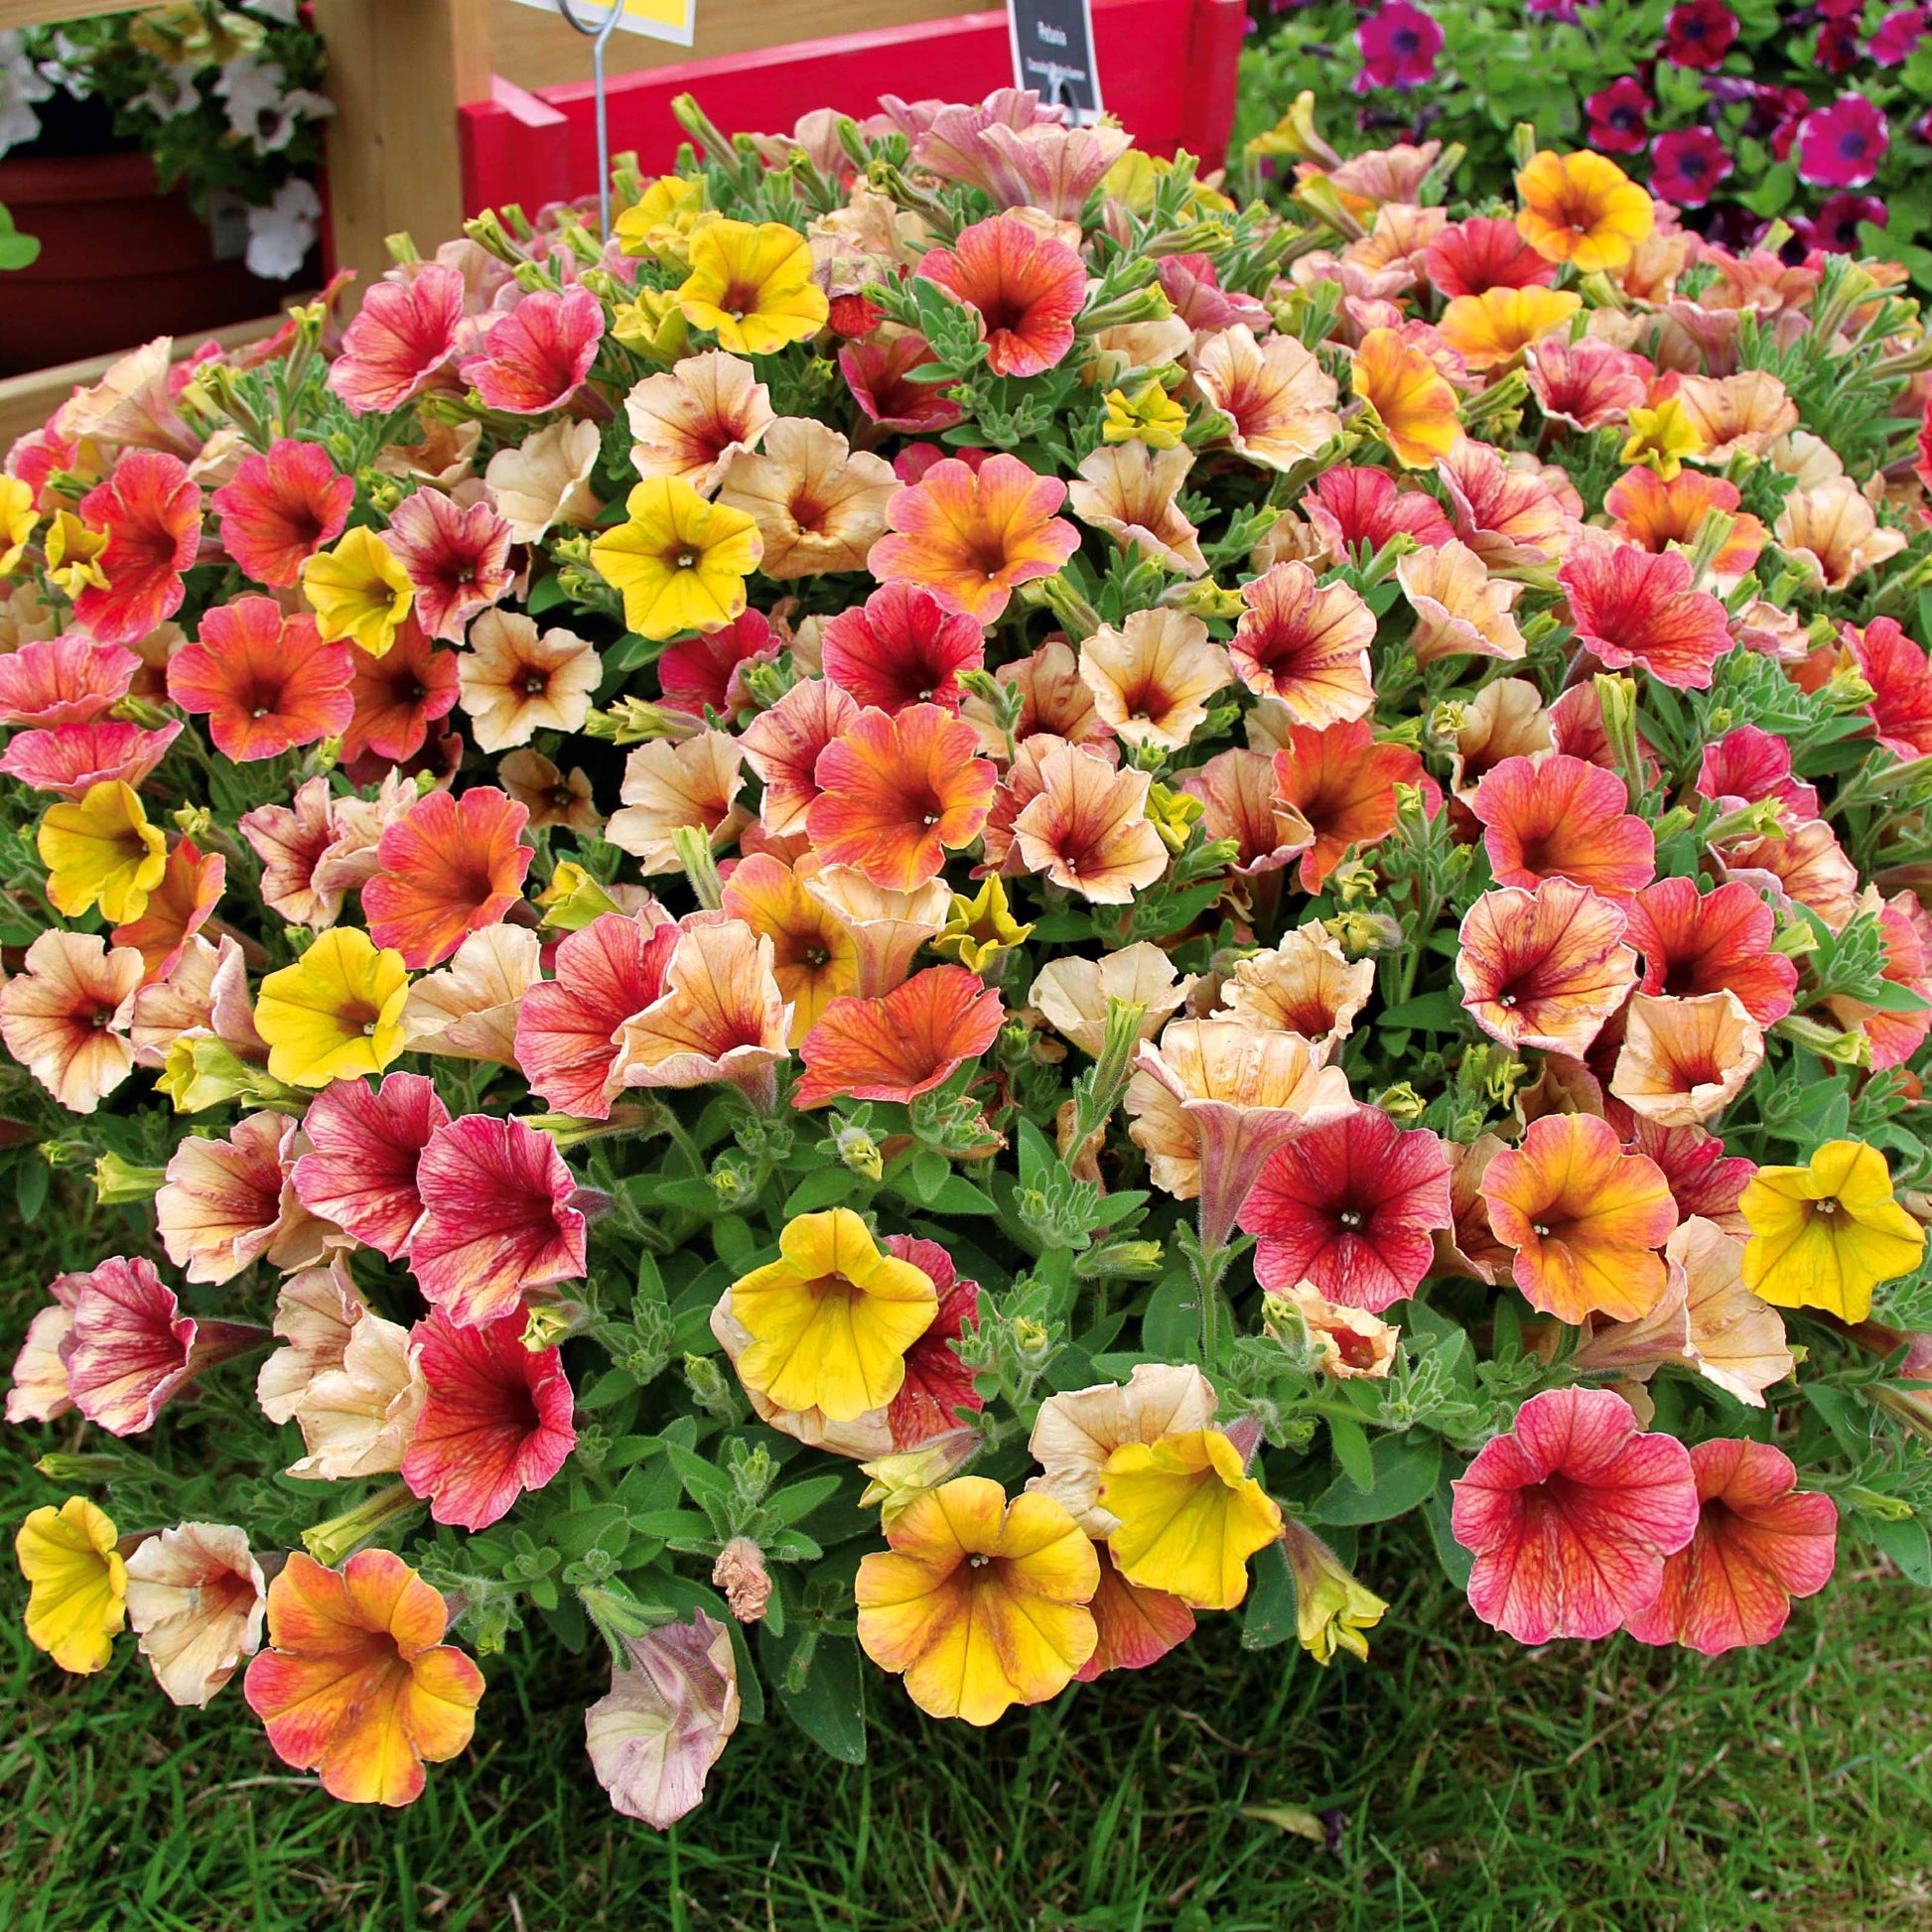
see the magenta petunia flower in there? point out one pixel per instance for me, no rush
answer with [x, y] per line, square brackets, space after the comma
[1687, 165]
[497, 1421]
[903, 647]
[1699, 34]
[364, 1145]
[1619, 117]
[1571, 1517]
[1840, 146]
[1835, 227]
[1399, 44]
[1894, 37]
[1351, 1205]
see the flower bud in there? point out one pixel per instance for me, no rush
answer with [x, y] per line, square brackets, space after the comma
[1332, 1610]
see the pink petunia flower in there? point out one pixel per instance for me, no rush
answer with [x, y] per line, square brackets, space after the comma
[364, 1145]
[457, 559]
[901, 647]
[280, 508]
[1840, 146]
[1631, 607]
[70, 759]
[401, 337]
[1357, 509]
[567, 1028]
[1720, 941]
[936, 1381]
[1688, 165]
[879, 374]
[64, 681]
[66, 1018]
[1024, 287]
[536, 357]
[151, 509]
[1699, 34]
[1399, 44]
[1619, 117]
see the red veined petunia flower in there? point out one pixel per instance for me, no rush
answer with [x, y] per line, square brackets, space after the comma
[128, 1348]
[936, 1381]
[1484, 252]
[265, 681]
[1358, 509]
[497, 1220]
[227, 1202]
[535, 358]
[1088, 828]
[1654, 512]
[1632, 608]
[567, 1028]
[1704, 1181]
[447, 867]
[151, 509]
[64, 680]
[1307, 644]
[399, 694]
[457, 559]
[1509, 517]
[280, 508]
[1277, 400]
[176, 908]
[1898, 671]
[358, 1683]
[70, 759]
[1807, 866]
[1544, 968]
[1571, 1516]
[878, 371]
[291, 842]
[971, 537]
[1137, 1625]
[401, 337]
[705, 672]
[1587, 1219]
[1132, 493]
[1719, 941]
[1894, 1037]
[1237, 793]
[1577, 727]
[1588, 384]
[1351, 1205]
[496, 1420]
[364, 1142]
[903, 647]
[64, 1018]
[692, 421]
[914, 1039]
[1024, 286]
[1343, 783]
[1760, 1540]
[1747, 765]
[897, 791]
[1562, 819]
[782, 746]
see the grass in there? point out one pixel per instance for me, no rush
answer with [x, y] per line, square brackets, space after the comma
[1463, 1784]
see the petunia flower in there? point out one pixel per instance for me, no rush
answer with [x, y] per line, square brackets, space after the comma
[1492, 330]
[1655, 513]
[973, 536]
[937, 1382]
[1544, 968]
[718, 1015]
[1024, 287]
[1483, 252]
[979, 1603]
[1133, 492]
[1406, 402]
[1746, 765]
[1806, 867]
[819, 505]
[1087, 829]
[196, 1598]
[1509, 516]
[1736, 415]
[449, 867]
[1152, 677]
[831, 1320]
[66, 1018]
[544, 482]
[1189, 1517]
[1825, 1234]
[750, 284]
[1078, 1430]
[1306, 985]
[1585, 1217]
[707, 670]
[1399, 44]
[178, 907]
[1632, 608]
[498, 1219]
[1685, 1060]
[280, 507]
[398, 696]
[671, 1708]
[1582, 209]
[67, 680]
[567, 1028]
[1353, 1345]
[358, 1683]
[1135, 1627]
[668, 786]
[1238, 802]
[457, 558]
[782, 746]
[1833, 534]
[77, 1601]
[469, 1010]
[1072, 995]
[1571, 1517]
[1460, 609]
[400, 340]
[70, 759]
[516, 681]
[1350, 1206]
[496, 1420]
[335, 1014]
[359, 1171]
[903, 647]
[679, 562]
[1277, 400]
[877, 372]
[128, 1348]
[359, 591]
[1562, 819]
[1343, 783]
[536, 357]
[694, 421]
[267, 682]
[151, 509]
[228, 1202]
[1587, 385]
[1734, 1339]
[903, 1045]
[1840, 145]
[1306, 645]
[1718, 941]
[1894, 1037]
[101, 850]
[814, 958]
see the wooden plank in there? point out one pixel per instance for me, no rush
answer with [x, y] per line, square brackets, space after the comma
[534, 49]
[45, 13]
[398, 72]
[27, 401]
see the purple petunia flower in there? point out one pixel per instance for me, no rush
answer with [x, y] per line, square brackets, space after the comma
[1619, 117]
[1840, 146]
[1687, 165]
[1399, 44]
[1698, 33]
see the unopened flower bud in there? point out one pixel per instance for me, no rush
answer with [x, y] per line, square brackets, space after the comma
[1332, 1610]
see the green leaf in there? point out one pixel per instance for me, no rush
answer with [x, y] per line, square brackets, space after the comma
[928, 1175]
[1351, 1442]
[731, 1236]
[797, 1500]
[1456, 1562]
[960, 1196]
[831, 1708]
[1171, 1327]
[17, 250]
[1270, 1617]
[1432, 1013]
[30, 1180]
[829, 1188]
[1406, 1468]
[1906, 1544]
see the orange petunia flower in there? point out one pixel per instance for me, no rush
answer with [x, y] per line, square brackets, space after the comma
[1494, 328]
[1087, 829]
[177, 908]
[1024, 288]
[897, 791]
[1583, 208]
[1654, 512]
[1406, 399]
[971, 537]
[1684, 1062]
[814, 956]
[1306, 644]
[1585, 1217]
[1564, 818]
[905, 1044]
[1544, 968]
[357, 1681]
[445, 869]
[1343, 783]
[267, 682]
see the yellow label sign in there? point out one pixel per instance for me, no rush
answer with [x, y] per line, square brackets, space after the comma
[660, 20]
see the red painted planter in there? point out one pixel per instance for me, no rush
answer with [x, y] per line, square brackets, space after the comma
[121, 264]
[1168, 69]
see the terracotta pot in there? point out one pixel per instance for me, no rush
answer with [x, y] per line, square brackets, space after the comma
[119, 264]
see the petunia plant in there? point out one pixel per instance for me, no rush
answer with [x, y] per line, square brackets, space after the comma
[922, 920]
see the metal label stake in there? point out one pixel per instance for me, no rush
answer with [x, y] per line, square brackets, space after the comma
[599, 35]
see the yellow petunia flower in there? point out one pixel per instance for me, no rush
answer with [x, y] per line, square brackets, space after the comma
[660, 224]
[1583, 208]
[358, 591]
[980, 1604]
[1663, 437]
[77, 1601]
[980, 929]
[750, 284]
[1150, 415]
[18, 519]
[73, 555]
[573, 898]
[1406, 401]
[652, 325]
[1332, 1610]
[1824, 1236]
[680, 562]
[831, 1319]
[337, 1012]
[102, 851]
[1494, 328]
[1189, 1515]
